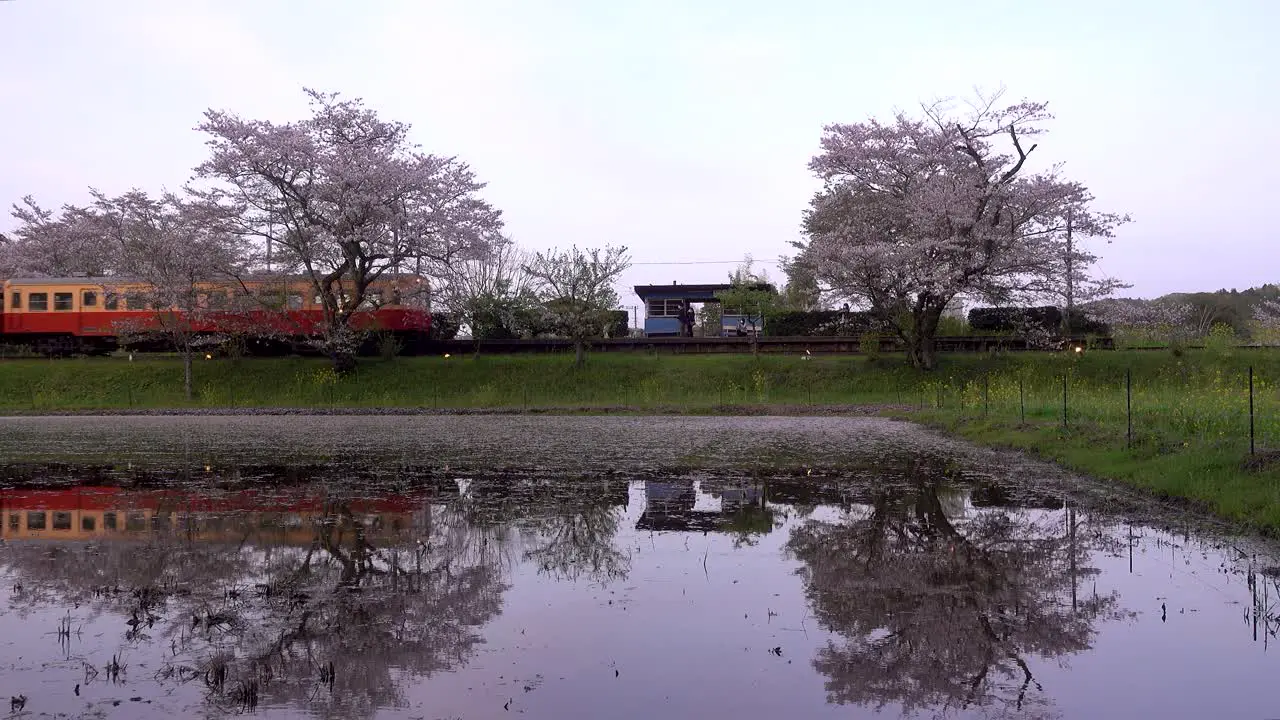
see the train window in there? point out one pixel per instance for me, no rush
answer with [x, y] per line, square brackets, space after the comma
[35, 520]
[88, 523]
[295, 301]
[15, 300]
[63, 301]
[62, 520]
[273, 299]
[14, 519]
[38, 302]
[88, 299]
[109, 521]
[135, 521]
[111, 301]
[217, 300]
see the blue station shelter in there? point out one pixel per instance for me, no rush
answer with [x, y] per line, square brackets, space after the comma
[668, 312]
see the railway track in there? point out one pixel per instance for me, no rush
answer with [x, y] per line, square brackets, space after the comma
[765, 345]
[770, 345]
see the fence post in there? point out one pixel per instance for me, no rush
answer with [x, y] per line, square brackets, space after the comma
[1128, 407]
[1064, 400]
[1251, 430]
[986, 394]
[1022, 402]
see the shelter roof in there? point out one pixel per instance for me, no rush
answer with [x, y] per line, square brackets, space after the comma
[702, 292]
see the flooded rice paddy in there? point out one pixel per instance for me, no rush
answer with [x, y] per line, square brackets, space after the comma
[578, 567]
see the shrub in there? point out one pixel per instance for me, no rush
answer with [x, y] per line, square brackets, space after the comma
[618, 324]
[869, 345]
[821, 323]
[389, 345]
[1221, 338]
[443, 327]
[1026, 319]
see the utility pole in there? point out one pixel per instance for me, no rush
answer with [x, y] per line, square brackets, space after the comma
[1070, 274]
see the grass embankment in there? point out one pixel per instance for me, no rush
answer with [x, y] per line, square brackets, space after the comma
[1190, 414]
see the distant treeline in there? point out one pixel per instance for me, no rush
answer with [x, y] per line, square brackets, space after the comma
[987, 320]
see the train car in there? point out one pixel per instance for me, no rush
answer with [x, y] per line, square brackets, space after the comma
[96, 315]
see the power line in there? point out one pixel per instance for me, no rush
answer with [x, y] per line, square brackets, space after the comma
[708, 262]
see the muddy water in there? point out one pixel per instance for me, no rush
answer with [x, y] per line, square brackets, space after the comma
[604, 567]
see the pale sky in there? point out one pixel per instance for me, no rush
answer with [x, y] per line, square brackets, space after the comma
[680, 128]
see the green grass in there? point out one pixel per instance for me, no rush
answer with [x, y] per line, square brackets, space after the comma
[1190, 413]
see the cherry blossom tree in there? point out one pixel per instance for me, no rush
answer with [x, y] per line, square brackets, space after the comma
[1266, 321]
[49, 244]
[343, 197]
[492, 294]
[8, 260]
[918, 211]
[159, 251]
[1163, 320]
[168, 257]
[576, 289]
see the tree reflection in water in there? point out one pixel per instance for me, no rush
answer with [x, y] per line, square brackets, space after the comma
[567, 527]
[936, 611]
[329, 623]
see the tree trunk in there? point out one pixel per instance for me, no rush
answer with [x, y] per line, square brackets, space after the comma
[921, 346]
[344, 360]
[343, 343]
[579, 353]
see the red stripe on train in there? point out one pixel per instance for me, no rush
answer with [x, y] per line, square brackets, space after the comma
[294, 322]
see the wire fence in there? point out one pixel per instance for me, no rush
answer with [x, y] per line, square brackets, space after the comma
[1221, 410]
[1154, 408]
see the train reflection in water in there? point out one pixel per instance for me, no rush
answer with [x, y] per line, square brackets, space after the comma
[91, 513]
[288, 515]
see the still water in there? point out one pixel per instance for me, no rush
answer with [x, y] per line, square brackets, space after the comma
[604, 567]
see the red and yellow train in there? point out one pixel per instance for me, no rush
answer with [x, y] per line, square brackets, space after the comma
[96, 315]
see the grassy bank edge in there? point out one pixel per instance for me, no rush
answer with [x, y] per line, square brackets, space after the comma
[1225, 483]
[1220, 482]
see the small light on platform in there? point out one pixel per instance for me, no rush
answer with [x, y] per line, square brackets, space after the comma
[1079, 349]
[446, 355]
[207, 356]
